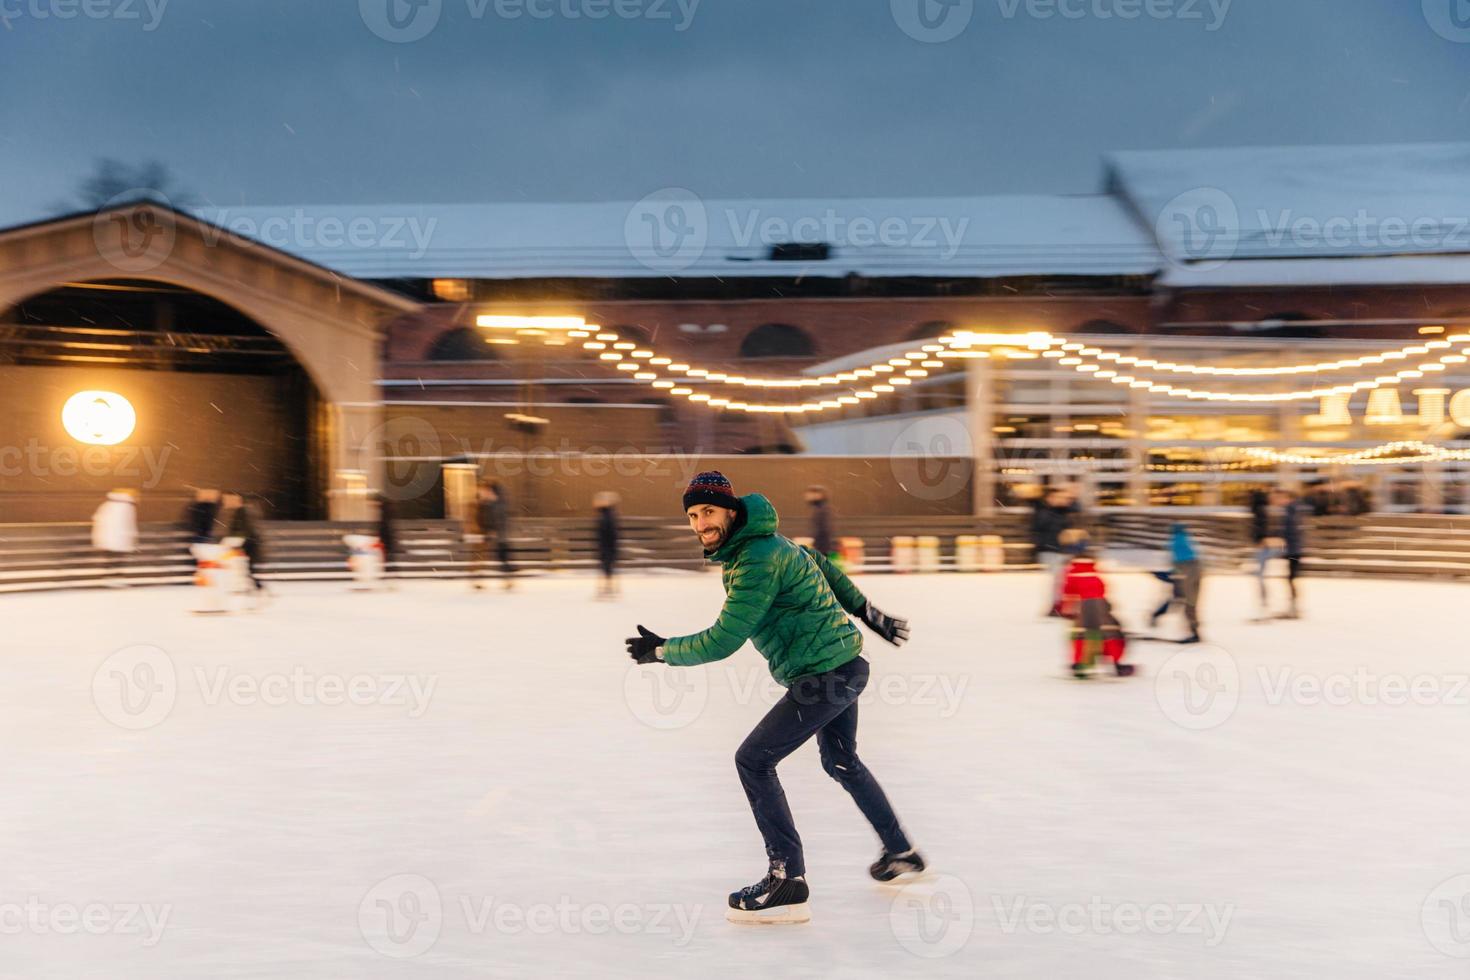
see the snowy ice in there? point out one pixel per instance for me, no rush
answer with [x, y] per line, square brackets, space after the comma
[433, 782]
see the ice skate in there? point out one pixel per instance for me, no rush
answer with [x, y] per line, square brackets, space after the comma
[897, 868]
[774, 900]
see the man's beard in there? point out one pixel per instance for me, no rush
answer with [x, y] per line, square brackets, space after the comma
[720, 534]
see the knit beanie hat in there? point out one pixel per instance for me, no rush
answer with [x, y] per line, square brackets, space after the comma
[711, 488]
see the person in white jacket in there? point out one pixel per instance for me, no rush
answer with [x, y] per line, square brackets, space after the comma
[115, 530]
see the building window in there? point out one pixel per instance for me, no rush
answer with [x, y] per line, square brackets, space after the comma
[777, 340]
[462, 344]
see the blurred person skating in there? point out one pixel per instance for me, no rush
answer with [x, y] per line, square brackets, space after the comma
[1052, 518]
[793, 604]
[1185, 577]
[1265, 549]
[606, 505]
[200, 516]
[241, 523]
[1095, 634]
[387, 532]
[1285, 528]
[492, 520]
[821, 521]
[115, 533]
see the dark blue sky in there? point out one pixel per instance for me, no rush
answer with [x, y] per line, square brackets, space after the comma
[285, 101]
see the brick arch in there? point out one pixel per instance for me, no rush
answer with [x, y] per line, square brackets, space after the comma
[330, 324]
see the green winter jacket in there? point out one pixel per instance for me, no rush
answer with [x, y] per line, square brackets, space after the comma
[787, 599]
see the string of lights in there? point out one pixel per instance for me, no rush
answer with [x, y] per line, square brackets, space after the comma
[884, 378]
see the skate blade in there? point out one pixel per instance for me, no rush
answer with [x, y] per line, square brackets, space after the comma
[783, 916]
[906, 879]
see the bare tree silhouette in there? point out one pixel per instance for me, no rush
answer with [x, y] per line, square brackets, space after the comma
[115, 181]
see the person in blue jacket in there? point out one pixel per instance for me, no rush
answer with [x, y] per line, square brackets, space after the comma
[1185, 578]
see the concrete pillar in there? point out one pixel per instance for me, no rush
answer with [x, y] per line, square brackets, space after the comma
[1138, 446]
[980, 421]
[355, 449]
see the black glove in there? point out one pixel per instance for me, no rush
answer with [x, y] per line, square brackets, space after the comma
[643, 648]
[895, 631]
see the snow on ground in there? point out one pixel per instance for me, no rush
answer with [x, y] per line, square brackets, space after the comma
[502, 795]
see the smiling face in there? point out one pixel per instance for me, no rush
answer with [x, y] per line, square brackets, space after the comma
[711, 524]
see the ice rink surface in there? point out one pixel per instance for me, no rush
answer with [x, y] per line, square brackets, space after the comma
[433, 782]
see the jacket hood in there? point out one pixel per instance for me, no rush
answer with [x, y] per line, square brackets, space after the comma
[760, 521]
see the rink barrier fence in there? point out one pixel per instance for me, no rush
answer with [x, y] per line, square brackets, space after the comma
[56, 556]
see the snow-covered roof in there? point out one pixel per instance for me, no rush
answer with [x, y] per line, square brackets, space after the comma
[1426, 270]
[1210, 206]
[677, 234]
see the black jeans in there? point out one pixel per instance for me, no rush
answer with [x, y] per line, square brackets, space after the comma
[824, 705]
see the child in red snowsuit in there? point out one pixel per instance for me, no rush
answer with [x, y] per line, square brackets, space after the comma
[1094, 628]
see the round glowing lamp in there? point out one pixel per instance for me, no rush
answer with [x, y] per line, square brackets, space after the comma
[98, 418]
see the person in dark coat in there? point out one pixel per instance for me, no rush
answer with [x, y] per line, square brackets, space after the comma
[1053, 516]
[1286, 526]
[821, 521]
[198, 520]
[492, 521]
[387, 533]
[606, 504]
[241, 523]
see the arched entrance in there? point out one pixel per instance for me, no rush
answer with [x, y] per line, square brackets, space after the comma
[312, 335]
[216, 399]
